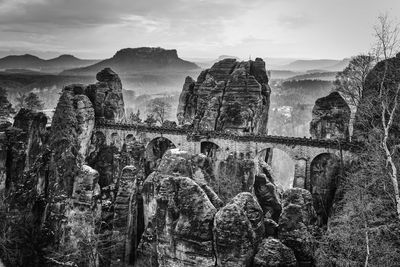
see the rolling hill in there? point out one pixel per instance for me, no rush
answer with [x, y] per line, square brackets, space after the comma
[55, 65]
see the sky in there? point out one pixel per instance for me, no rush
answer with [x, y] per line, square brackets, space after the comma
[96, 29]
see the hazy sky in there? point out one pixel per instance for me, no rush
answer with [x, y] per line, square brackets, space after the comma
[196, 28]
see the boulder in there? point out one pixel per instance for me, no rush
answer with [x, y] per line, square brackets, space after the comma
[268, 197]
[272, 253]
[180, 224]
[296, 224]
[234, 237]
[253, 211]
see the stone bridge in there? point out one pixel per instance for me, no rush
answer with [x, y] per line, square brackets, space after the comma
[303, 151]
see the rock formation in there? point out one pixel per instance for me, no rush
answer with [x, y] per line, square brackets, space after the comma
[296, 224]
[385, 73]
[272, 253]
[230, 96]
[106, 96]
[25, 140]
[99, 202]
[330, 118]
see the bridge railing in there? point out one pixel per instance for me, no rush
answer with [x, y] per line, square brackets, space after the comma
[245, 137]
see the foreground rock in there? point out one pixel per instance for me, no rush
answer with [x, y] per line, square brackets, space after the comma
[230, 96]
[272, 253]
[330, 118]
[234, 237]
[181, 225]
[296, 224]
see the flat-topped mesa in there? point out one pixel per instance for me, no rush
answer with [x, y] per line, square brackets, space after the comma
[330, 118]
[231, 96]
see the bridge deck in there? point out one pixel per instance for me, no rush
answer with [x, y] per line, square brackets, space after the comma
[246, 137]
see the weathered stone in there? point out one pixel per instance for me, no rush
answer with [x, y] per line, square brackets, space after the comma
[267, 195]
[253, 211]
[385, 73]
[303, 198]
[295, 224]
[125, 221]
[25, 140]
[330, 118]
[85, 118]
[235, 175]
[86, 187]
[271, 227]
[234, 238]
[184, 224]
[272, 253]
[106, 96]
[230, 96]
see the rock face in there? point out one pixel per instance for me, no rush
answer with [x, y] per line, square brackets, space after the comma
[234, 237]
[330, 118]
[178, 216]
[272, 253]
[295, 224]
[106, 96]
[267, 196]
[230, 96]
[25, 140]
[368, 113]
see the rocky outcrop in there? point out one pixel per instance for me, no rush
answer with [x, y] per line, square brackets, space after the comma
[268, 197]
[86, 187]
[234, 175]
[179, 223]
[368, 116]
[24, 143]
[230, 96]
[272, 253]
[330, 118]
[296, 224]
[253, 211]
[72, 125]
[106, 96]
[234, 237]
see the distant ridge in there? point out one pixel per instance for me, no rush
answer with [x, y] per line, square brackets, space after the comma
[31, 62]
[142, 59]
[317, 64]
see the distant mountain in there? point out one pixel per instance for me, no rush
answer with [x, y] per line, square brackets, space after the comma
[206, 63]
[324, 76]
[316, 64]
[136, 60]
[222, 57]
[55, 65]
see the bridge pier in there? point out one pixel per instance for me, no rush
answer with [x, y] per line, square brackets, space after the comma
[300, 173]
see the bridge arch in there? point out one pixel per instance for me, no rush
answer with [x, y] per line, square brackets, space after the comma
[210, 149]
[324, 179]
[155, 149]
[282, 165]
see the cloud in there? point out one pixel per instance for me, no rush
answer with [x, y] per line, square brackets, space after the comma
[294, 21]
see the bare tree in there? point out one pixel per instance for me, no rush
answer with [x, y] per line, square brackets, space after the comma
[387, 45]
[160, 109]
[351, 81]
